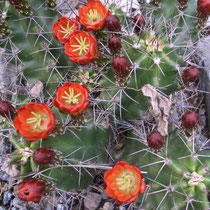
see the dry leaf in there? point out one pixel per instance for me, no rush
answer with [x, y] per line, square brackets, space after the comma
[161, 107]
[9, 168]
[36, 89]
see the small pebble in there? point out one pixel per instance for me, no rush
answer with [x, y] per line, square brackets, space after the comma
[108, 206]
[62, 207]
[7, 197]
[4, 177]
[92, 201]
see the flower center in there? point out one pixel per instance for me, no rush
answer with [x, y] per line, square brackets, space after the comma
[70, 97]
[126, 182]
[26, 192]
[37, 119]
[82, 47]
[93, 16]
[66, 30]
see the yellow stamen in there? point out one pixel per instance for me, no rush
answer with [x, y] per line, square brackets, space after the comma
[82, 47]
[125, 182]
[71, 98]
[93, 16]
[36, 119]
[66, 30]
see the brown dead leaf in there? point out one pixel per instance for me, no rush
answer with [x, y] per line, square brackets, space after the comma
[36, 89]
[160, 109]
[9, 168]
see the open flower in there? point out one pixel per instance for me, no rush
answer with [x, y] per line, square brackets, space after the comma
[31, 190]
[81, 47]
[64, 28]
[93, 15]
[71, 99]
[35, 121]
[124, 182]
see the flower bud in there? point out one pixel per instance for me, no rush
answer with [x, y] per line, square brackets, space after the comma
[182, 3]
[112, 23]
[190, 74]
[6, 109]
[44, 156]
[139, 21]
[121, 67]
[203, 8]
[31, 190]
[114, 44]
[155, 140]
[190, 120]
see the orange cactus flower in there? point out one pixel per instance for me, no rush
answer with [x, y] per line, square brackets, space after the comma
[124, 182]
[35, 121]
[81, 47]
[71, 99]
[64, 28]
[93, 15]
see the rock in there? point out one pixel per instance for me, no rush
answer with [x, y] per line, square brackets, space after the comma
[108, 206]
[62, 207]
[4, 177]
[104, 195]
[203, 56]
[2, 208]
[92, 201]
[18, 204]
[7, 197]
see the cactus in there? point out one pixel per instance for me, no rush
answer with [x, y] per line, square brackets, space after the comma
[178, 175]
[134, 50]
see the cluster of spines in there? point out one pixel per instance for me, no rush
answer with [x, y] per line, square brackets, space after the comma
[4, 28]
[22, 6]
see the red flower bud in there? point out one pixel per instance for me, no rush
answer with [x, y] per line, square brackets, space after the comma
[114, 44]
[112, 23]
[190, 74]
[139, 21]
[31, 190]
[44, 155]
[190, 119]
[121, 67]
[155, 140]
[203, 7]
[6, 109]
[182, 3]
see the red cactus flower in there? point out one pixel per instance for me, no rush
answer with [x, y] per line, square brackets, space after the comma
[121, 67]
[31, 190]
[64, 28]
[112, 23]
[44, 156]
[190, 74]
[204, 7]
[114, 44]
[35, 121]
[190, 120]
[71, 99]
[93, 15]
[155, 140]
[81, 47]
[139, 21]
[124, 182]
[6, 109]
